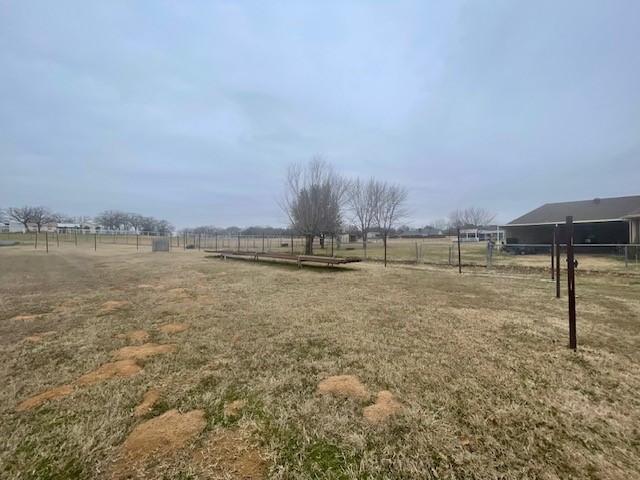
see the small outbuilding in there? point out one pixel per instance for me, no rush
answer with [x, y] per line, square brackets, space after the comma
[598, 221]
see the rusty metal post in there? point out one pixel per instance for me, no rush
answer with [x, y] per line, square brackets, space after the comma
[46, 240]
[332, 235]
[95, 242]
[626, 256]
[459, 254]
[36, 244]
[571, 283]
[76, 236]
[556, 238]
[553, 246]
[238, 242]
[57, 239]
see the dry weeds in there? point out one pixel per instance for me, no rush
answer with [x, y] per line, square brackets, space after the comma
[489, 389]
[148, 401]
[234, 408]
[229, 454]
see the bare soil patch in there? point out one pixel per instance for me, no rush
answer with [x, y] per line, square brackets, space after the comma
[121, 368]
[148, 401]
[136, 336]
[386, 405]
[156, 439]
[171, 328]
[112, 306]
[38, 337]
[25, 318]
[234, 408]
[230, 454]
[41, 398]
[142, 351]
[343, 386]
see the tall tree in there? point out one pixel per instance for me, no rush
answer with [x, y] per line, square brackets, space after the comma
[313, 200]
[390, 209]
[24, 215]
[363, 199]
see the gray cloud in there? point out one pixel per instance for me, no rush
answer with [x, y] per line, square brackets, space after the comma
[192, 110]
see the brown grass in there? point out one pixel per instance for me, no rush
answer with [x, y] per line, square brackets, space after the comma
[478, 362]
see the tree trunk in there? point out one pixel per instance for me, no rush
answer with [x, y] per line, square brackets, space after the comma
[384, 241]
[364, 244]
[308, 245]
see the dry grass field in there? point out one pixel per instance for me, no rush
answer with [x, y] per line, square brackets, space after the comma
[117, 364]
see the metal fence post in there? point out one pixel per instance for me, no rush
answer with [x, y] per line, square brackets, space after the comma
[553, 243]
[459, 254]
[36, 244]
[556, 238]
[626, 256]
[76, 236]
[95, 242]
[46, 240]
[571, 282]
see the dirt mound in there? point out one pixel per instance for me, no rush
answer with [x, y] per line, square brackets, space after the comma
[386, 406]
[136, 336]
[112, 306]
[38, 337]
[229, 454]
[232, 409]
[170, 328]
[52, 394]
[142, 351]
[148, 401]
[343, 386]
[122, 368]
[162, 435]
[179, 292]
[25, 318]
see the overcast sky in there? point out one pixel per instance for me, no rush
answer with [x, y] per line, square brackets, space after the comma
[191, 111]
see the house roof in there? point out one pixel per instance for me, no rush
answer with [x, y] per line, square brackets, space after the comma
[596, 210]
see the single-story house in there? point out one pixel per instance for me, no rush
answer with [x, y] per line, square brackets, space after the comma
[482, 234]
[598, 221]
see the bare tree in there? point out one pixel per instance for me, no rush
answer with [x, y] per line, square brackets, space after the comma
[390, 209]
[24, 215]
[313, 200]
[472, 216]
[363, 199]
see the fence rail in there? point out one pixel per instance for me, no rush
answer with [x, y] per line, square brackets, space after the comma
[441, 251]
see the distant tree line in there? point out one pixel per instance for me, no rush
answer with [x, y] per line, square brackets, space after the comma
[39, 216]
[256, 230]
